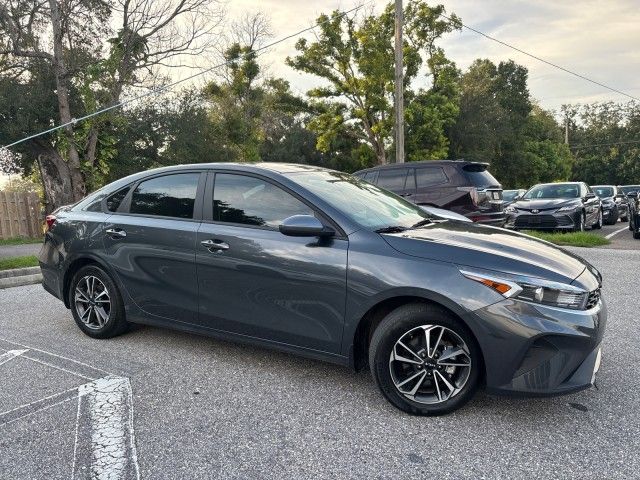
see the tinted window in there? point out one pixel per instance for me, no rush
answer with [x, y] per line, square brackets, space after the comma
[114, 201]
[557, 190]
[370, 177]
[479, 176]
[509, 195]
[96, 204]
[167, 196]
[430, 176]
[604, 191]
[392, 179]
[252, 201]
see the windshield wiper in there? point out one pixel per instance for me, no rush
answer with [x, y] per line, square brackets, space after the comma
[422, 223]
[391, 229]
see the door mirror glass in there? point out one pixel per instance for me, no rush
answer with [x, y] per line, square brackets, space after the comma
[304, 226]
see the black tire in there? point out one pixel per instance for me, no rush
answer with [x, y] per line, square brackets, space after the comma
[114, 322]
[598, 224]
[581, 221]
[613, 219]
[403, 321]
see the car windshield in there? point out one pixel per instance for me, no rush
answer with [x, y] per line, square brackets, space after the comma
[630, 188]
[603, 191]
[509, 195]
[365, 204]
[556, 190]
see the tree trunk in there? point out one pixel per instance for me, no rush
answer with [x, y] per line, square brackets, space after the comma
[78, 187]
[55, 175]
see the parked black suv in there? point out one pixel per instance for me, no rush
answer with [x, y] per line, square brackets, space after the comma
[462, 186]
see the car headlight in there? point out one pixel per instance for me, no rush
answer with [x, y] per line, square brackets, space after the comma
[531, 289]
[568, 208]
[510, 209]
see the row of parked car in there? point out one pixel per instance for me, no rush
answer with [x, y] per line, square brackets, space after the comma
[472, 193]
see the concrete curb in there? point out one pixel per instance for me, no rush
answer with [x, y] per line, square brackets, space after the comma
[19, 272]
[20, 276]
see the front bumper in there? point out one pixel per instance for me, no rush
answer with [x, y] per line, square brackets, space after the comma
[541, 221]
[536, 350]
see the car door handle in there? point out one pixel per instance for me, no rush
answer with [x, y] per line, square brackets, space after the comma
[116, 232]
[214, 245]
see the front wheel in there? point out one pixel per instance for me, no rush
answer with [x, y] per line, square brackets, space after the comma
[598, 224]
[96, 303]
[579, 223]
[424, 360]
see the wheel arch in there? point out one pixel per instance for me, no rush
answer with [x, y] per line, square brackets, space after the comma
[359, 349]
[74, 265]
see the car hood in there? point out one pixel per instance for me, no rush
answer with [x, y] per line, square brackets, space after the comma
[489, 248]
[545, 203]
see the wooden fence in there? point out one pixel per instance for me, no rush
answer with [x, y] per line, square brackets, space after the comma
[20, 215]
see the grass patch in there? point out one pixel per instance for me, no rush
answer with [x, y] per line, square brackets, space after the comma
[19, 240]
[573, 239]
[18, 262]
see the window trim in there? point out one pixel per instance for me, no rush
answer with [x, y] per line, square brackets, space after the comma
[197, 205]
[207, 208]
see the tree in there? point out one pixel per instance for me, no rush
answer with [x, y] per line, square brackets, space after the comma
[355, 58]
[60, 47]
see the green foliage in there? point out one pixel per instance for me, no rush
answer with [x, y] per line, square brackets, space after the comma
[604, 136]
[19, 241]
[356, 59]
[574, 239]
[18, 262]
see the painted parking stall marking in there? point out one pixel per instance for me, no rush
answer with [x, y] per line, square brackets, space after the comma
[10, 355]
[104, 444]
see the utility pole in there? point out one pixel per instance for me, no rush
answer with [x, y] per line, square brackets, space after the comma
[399, 84]
[566, 129]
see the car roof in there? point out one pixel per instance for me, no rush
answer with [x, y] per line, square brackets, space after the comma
[460, 162]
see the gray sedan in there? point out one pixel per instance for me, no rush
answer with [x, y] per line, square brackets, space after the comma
[319, 263]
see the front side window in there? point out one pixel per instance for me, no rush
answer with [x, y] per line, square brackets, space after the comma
[253, 201]
[166, 196]
[392, 179]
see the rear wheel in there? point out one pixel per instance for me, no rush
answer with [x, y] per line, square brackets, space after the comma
[424, 360]
[96, 303]
[598, 224]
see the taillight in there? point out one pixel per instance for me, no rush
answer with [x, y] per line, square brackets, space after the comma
[50, 220]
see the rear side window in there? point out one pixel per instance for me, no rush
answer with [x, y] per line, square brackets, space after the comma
[253, 201]
[114, 201]
[479, 176]
[430, 176]
[370, 177]
[392, 179]
[166, 196]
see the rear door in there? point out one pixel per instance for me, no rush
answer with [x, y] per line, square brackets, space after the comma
[150, 244]
[433, 187]
[400, 181]
[256, 282]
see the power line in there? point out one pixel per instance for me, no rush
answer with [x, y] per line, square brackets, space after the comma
[605, 144]
[173, 84]
[559, 67]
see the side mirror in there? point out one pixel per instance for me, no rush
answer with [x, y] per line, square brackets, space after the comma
[632, 194]
[518, 197]
[304, 226]
[589, 196]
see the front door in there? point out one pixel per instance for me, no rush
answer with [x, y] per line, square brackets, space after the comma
[150, 244]
[257, 282]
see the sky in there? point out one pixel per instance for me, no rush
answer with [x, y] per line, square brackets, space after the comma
[594, 38]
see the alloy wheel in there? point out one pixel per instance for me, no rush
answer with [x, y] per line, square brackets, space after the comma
[92, 302]
[430, 364]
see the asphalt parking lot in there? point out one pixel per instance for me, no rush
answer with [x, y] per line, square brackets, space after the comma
[620, 236]
[158, 404]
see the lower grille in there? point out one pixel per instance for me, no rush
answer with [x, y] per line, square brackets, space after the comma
[533, 221]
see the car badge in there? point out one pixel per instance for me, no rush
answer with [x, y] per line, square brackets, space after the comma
[535, 211]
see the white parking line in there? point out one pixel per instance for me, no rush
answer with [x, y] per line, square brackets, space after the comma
[105, 442]
[616, 232]
[10, 355]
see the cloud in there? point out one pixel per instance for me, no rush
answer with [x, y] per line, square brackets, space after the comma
[596, 39]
